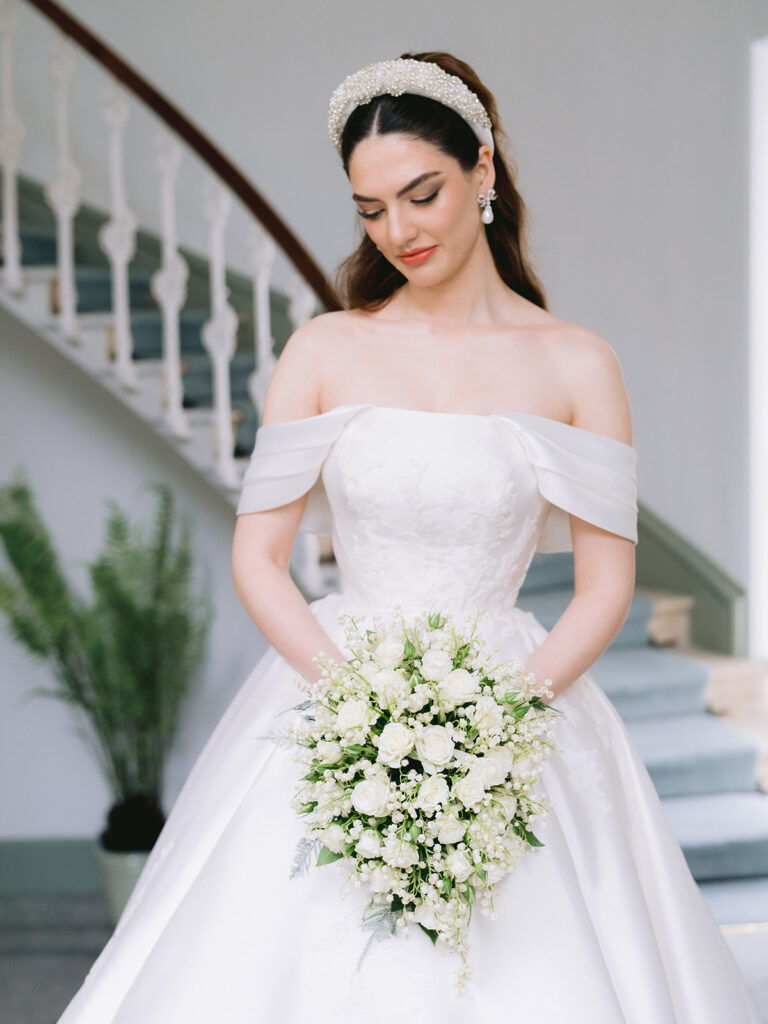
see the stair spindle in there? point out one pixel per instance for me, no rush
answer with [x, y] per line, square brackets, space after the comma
[263, 250]
[11, 143]
[169, 285]
[219, 334]
[63, 193]
[118, 237]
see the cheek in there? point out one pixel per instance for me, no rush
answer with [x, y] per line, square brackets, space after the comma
[457, 215]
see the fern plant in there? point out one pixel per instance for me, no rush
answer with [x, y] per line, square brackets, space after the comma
[125, 656]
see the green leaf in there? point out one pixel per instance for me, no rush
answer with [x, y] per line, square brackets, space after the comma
[531, 838]
[430, 932]
[328, 856]
[415, 830]
[481, 872]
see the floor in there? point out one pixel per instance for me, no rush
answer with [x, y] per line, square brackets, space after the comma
[48, 943]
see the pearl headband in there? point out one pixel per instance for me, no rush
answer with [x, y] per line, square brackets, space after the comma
[404, 74]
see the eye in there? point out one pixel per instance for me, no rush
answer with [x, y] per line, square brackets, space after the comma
[373, 216]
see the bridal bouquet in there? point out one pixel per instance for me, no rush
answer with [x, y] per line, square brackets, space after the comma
[421, 755]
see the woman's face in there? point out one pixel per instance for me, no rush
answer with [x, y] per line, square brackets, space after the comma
[411, 195]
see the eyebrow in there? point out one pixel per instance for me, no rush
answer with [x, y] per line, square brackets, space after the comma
[408, 187]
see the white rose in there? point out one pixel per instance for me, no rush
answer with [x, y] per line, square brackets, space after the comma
[382, 878]
[432, 793]
[370, 797]
[368, 670]
[399, 854]
[450, 829]
[458, 687]
[389, 652]
[495, 873]
[440, 639]
[470, 790]
[369, 843]
[494, 767]
[424, 914]
[509, 803]
[435, 746]
[489, 716]
[334, 838]
[389, 685]
[325, 720]
[514, 845]
[394, 743]
[419, 697]
[352, 714]
[329, 751]
[436, 664]
[459, 865]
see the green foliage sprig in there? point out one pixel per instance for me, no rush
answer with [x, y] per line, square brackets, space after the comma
[126, 656]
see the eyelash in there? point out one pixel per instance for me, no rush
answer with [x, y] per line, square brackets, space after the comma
[421, 202]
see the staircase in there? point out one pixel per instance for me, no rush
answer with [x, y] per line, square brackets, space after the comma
[707, 767]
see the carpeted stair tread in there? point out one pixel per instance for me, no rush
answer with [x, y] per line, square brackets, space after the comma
[723, 835]
[38, 246]
[549, 604]
[147, 333]
[696, 753]
[737, 900]
[647, 682]
[94, 289]
[547, 571]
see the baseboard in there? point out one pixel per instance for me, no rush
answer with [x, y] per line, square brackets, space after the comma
[49, 866]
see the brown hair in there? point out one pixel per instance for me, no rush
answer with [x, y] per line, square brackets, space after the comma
[366, 279]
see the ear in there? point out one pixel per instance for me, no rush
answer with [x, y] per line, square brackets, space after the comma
[484, 169]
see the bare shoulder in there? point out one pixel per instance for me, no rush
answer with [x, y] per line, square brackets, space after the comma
[295, 387]
[590, 369]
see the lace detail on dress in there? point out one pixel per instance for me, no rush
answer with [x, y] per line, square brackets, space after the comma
[463, 539]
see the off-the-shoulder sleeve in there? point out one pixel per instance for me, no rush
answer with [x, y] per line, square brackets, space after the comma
[582, 474]
[286, 462]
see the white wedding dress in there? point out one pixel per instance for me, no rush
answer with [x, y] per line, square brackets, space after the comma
[604, 924]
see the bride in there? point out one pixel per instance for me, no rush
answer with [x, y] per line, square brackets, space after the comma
[442, 428]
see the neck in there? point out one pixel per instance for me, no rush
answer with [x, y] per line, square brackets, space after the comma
[474, 296]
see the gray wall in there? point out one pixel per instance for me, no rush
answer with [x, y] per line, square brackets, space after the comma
[79, 448]
[629, 126]
[628, 123]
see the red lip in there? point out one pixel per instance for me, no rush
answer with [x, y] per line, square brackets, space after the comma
[424, 252]
[415, 252]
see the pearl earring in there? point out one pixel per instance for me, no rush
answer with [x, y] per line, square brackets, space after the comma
[484, 199]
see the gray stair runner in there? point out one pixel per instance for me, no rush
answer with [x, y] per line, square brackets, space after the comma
[702, 767]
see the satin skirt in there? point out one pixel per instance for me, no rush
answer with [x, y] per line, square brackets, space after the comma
[604, 923]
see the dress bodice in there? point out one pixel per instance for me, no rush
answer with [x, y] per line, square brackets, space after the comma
[446, 509]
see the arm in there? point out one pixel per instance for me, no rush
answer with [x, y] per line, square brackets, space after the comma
[262, 543]
[604, 562]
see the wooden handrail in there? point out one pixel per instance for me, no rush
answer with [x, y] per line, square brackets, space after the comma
[197, 141]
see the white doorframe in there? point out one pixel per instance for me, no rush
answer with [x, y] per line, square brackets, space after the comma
[758, 352]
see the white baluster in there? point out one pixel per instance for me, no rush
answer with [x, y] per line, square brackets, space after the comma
[263, 249]
[118, 236]
[301, 306]
[302, 300]
[63, 193]
[169, 284]
[220, 334]
[11, 142]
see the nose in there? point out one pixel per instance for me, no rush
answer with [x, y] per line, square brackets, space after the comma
[402, 230]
